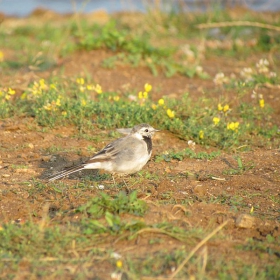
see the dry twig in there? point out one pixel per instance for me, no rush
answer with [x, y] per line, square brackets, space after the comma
[199, 245]
[238, 23]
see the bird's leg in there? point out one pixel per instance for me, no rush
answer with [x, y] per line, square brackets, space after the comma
[127, 190]
[124, 182]
[114, 180]
[126, 187]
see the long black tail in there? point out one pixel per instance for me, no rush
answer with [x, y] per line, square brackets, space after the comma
[66, 172]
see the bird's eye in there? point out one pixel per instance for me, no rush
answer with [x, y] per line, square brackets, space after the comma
[146, 130]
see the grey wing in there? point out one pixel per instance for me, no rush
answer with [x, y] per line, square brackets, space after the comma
[111, 150]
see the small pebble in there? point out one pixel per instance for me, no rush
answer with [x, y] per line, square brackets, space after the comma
[245, 221]
[31, 146]
[46, 158]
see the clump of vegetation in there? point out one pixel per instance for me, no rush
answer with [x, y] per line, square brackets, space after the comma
[122, 203]
[85, 104]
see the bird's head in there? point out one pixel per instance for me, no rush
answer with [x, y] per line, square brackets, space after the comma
[143, 130]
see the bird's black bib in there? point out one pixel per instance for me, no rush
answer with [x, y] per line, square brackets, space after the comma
[148, 141]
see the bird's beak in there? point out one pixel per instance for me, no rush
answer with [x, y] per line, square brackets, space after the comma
[156, 130]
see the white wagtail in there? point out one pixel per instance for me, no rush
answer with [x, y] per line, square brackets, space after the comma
[125, 155]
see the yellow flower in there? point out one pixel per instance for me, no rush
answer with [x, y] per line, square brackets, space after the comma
[145, 94]
[64, 113]
[11, 91]
[1, 93]
[83, 102]
[57, 103]
[216, 120]
[230, 126]
[1, 56]
[90, 87]
[201, 134]
[154, 106]
[119, 264]
[233, 126]
[161, 102]
[261, 102]
[23, 96]
[220, 107]
[140, 94]
[147, 87]
[170, 113]
[116, 98]
[48, 107]
[53, 86]
[7, 97]
[98, 89]
[80, 81]
[226, 108]
[42, 84]
[36, 89]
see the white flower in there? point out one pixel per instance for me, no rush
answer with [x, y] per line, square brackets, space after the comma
[116, 275]
[116, 256]
[191, 144]
[220, 79]
[132, 97]
[198, 69]
[247, 74]
[186, 49]
[262, 66]
[253, 95]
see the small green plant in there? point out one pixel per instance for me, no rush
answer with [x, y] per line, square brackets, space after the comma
[122, 203]
[241, 168]
[19, 166]
[187, 153]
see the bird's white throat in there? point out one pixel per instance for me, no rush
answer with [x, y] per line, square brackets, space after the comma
[138, 136]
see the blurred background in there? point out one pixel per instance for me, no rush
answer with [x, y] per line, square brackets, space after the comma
[23, 8]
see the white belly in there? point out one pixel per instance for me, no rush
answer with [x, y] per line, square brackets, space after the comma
[132, 166]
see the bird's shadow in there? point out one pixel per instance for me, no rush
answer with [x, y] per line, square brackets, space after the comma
[57, 163]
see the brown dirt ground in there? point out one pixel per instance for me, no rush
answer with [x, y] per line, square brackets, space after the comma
[24, 143]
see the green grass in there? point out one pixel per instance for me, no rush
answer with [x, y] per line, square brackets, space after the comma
[39, 47]
[69, 246]
[187, 153]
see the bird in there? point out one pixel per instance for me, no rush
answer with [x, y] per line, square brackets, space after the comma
[126, 155]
